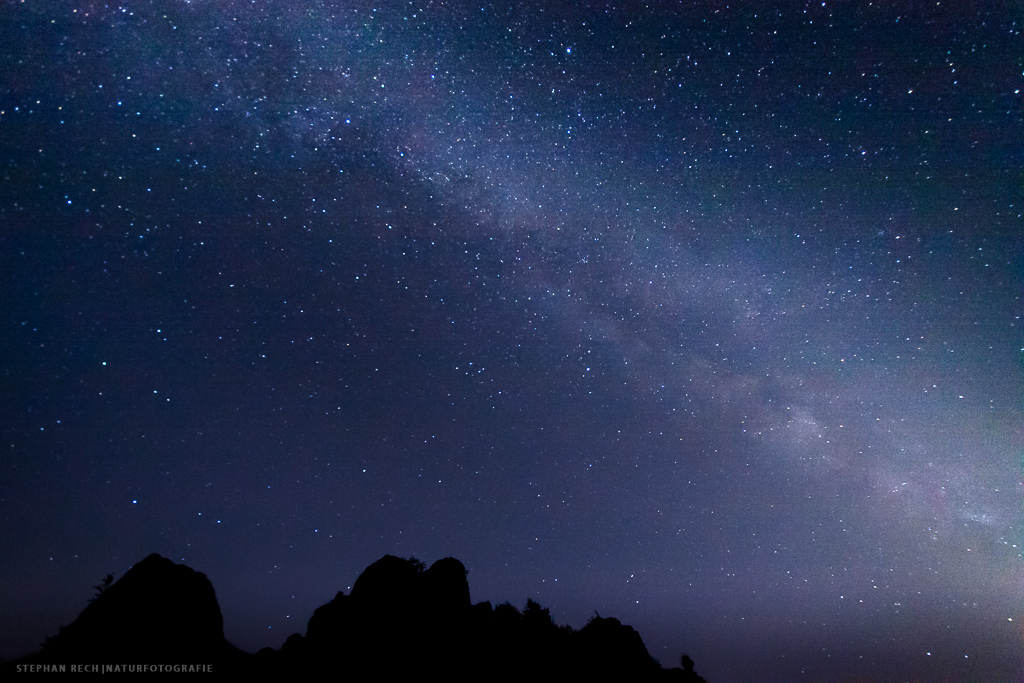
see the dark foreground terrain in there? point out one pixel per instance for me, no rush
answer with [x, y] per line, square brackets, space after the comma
[400, 619]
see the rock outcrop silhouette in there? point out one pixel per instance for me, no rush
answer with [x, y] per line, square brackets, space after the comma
[607, 646]
[400, 619]
[158, 611]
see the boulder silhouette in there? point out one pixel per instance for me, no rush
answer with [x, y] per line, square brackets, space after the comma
[687, 674]
[390, 582]
[399, 618]
[158, 611]
[446, 588]
[606, 646]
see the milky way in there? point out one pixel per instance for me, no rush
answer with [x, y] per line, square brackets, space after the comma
[702, 316]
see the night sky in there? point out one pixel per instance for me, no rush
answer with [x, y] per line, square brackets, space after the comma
[704, 316]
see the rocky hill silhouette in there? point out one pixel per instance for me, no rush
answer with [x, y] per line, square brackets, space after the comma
[400, 619]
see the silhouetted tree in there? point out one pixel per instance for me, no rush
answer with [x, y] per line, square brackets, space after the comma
[535, 616]
[50, 642]
[507, 616]
[107, 581]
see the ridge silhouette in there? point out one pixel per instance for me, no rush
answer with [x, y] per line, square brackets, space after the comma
[401, 618]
